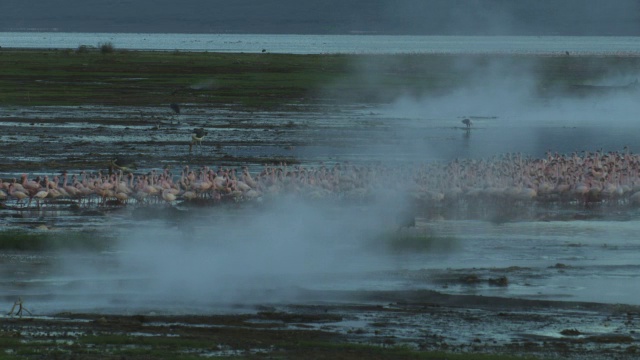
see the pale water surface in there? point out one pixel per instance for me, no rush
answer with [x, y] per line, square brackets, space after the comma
[319, 44]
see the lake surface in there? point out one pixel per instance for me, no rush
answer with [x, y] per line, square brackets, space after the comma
[320, 44]
[575, 260]
[553, 253]
[159, 266]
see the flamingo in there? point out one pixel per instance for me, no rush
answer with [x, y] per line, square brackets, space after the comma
[189, 195]
[246, 177]
[20, 195]
[71, 190]
[31, 186]
[242, 186]
[168, 196]
[41, 194]
[511, 177]
[122, 197]
[18, 186]
[252, 194]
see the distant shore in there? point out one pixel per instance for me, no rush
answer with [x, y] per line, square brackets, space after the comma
[107, 75]
[351, 44]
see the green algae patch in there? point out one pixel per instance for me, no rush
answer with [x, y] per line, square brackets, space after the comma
[39, 240]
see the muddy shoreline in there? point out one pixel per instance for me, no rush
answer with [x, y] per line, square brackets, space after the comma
[415, 320]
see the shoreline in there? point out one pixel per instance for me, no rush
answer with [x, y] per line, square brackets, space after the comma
[389, 324]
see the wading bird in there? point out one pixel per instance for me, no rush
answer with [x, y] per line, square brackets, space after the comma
[119, 163]
[17, 194]
[20, 306]
[43, 193]
[168, 196]
[197, 136]
[467, 123]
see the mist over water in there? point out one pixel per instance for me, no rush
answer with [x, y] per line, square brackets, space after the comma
[215, 258]
[512, 111]
[274, 255]
[221, 257]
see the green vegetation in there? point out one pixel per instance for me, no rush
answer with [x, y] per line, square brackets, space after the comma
[152, 78]
[107, 48]
[107, 76]
[112, 346]
[26, 240]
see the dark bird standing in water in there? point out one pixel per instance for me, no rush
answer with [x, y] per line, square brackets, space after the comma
[197, 136]
[467, 123]
[175, 107]
[119, 163]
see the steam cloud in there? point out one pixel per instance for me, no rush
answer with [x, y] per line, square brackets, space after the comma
[218, 257]
[513, 112]
[223, 257]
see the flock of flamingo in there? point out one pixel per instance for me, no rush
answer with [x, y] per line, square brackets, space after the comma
[612, 177]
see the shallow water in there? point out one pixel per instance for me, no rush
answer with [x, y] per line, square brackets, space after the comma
[167, 270]
[356, 133]
[323, 44]
[563, 259]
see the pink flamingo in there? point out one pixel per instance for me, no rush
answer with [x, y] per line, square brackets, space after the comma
[20, 195]
[41, 194]
[168, 196]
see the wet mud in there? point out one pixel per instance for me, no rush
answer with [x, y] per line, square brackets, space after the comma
[414, 320]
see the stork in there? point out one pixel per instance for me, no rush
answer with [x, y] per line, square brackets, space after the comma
[197, 136]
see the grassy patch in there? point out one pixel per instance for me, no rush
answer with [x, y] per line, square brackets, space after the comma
[9, 341]
[162, 347]
[365, 351]
[141, 78]
[25, 240]
[151, 341]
